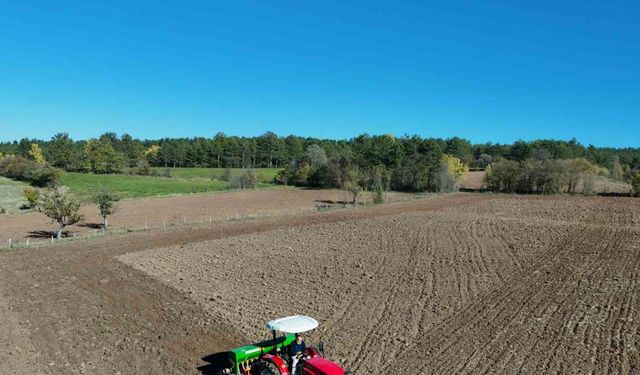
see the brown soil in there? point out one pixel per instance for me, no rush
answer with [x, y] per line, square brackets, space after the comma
[468, 283]
[472, 180]
[158, 212]
[512, 285]
[73, 308]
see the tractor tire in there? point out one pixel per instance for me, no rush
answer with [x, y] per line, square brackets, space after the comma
[267, 368]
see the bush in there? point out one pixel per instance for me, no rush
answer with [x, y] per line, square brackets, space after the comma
[379, 179]
[31, 195]
[282, 177]
[23, 169]
[378, 195]
[532, 176]
[167, 173]
[143, 168]
[17, 168]
[2, 211]
[247, 180]
[261, 177]
[226, 175]
[46, 176]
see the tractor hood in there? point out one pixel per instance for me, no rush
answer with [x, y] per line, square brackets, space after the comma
[323, 366]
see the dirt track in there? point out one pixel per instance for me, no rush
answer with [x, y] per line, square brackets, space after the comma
[156, 212]
[74, 308]
[512, 285]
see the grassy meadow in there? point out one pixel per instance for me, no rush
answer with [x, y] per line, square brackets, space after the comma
[182, 181]
[11, 195]
[263, 174]
[127, 186]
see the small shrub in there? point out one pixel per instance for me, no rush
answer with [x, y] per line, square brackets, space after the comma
[31, 195]
[226, 175]
[245, 181]
[249, 179]
[379, 173]
[143, 168]
[2, 211]
[46, 176]
[378, 195]
[167, 173]
[261, 177]
[282, 177]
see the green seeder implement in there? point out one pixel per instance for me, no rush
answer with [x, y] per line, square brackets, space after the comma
[242, 358]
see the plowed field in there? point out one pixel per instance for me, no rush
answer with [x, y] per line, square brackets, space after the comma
[459, 284]
[505, 286]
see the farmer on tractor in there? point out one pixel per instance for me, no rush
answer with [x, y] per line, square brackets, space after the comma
[296, 351]
[285, 354]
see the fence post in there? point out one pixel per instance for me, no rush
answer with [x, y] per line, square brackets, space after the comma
[164, 224]
[146, 227]
[210, 219]
[9, 243]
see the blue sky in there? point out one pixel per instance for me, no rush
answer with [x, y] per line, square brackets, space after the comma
[484, 70]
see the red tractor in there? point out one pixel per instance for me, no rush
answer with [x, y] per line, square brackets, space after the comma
[270, 357]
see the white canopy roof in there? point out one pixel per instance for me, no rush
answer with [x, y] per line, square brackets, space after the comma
[293, 324]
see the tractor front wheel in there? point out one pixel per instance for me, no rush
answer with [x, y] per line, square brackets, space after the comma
[267, 368]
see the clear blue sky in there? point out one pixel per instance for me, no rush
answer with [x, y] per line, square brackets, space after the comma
[485, 70]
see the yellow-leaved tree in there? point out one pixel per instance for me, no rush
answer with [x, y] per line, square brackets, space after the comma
[455, 166]
[451, 171]
[36, 154]
[152, 152]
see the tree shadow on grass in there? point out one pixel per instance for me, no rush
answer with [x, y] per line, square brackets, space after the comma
[45, 234]
[334, 202]
[91, 225]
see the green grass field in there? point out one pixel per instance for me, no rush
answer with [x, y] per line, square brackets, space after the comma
[131, 186]
[11, 194]
[264, 174]
[86, 185]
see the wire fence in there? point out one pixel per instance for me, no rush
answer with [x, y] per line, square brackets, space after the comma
[148, 225]
[183, 221]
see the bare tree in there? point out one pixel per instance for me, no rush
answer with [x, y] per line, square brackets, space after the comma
[353, 182]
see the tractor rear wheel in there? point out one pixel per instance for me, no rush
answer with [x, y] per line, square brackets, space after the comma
[267, 368]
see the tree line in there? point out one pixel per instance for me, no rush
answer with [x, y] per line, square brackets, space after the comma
[399, 163]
